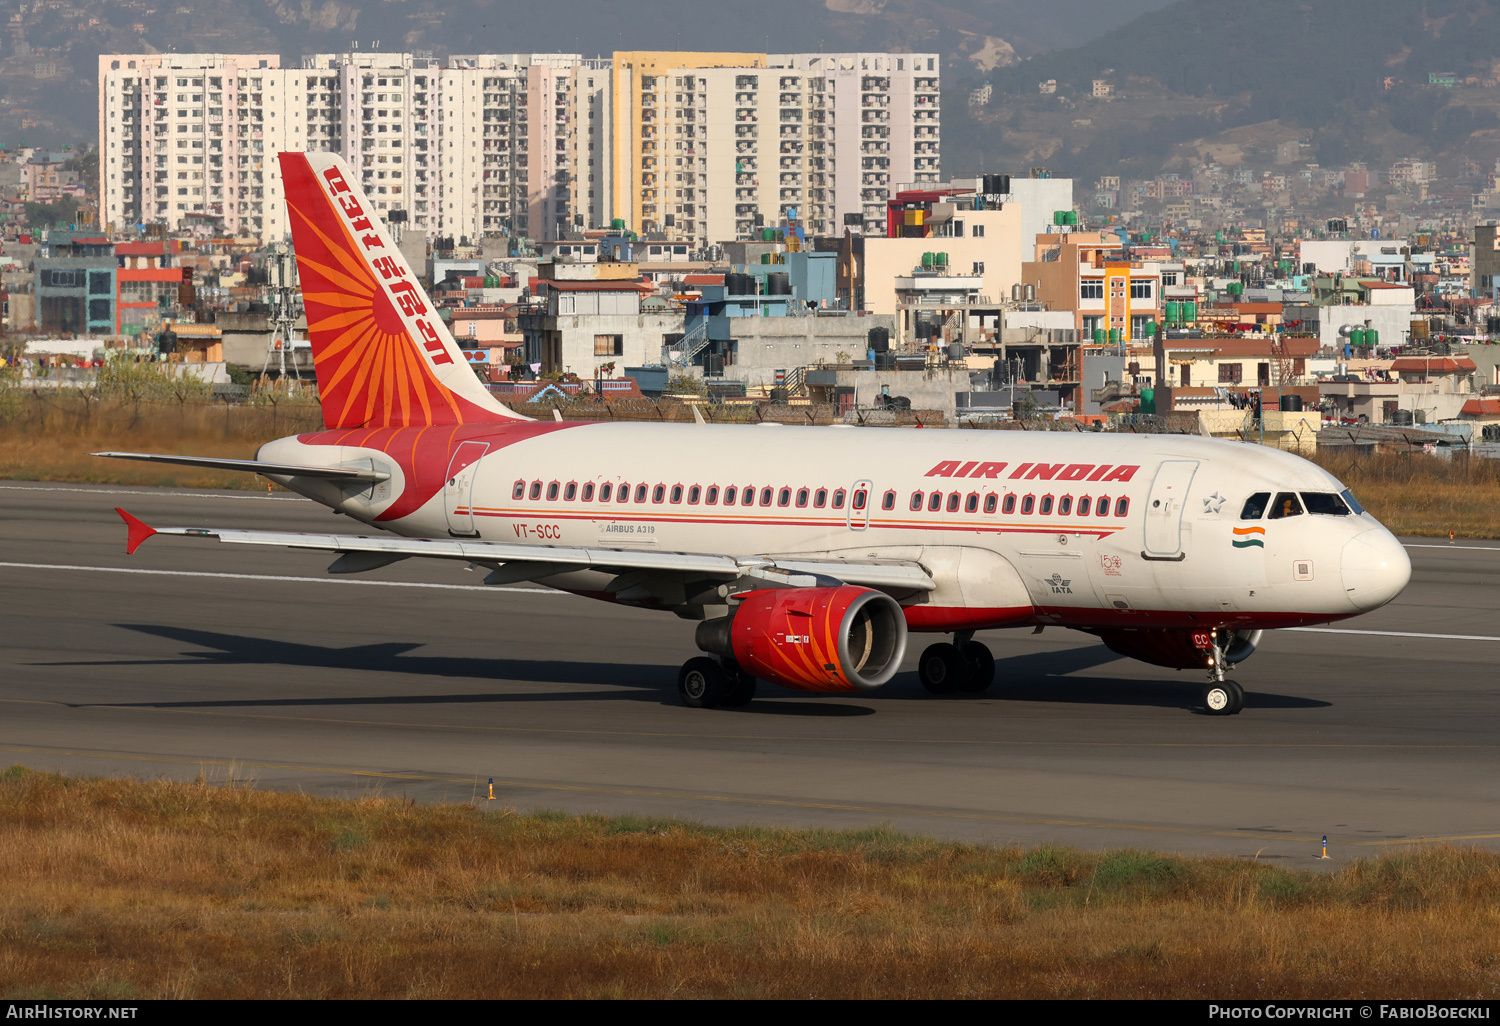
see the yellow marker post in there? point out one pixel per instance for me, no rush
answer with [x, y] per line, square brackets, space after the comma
[492, 798]
[1325, 847]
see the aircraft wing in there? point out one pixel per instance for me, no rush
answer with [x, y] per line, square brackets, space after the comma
[254, 466]
[512, 562]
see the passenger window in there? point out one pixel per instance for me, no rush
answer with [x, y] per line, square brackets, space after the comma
[1325, 504]
[640, 492]
[916, 501]
[658, 493]
[730, 494]
[820, 498]
[571, 492]
[953, 501]
[784, 497]
[747, 495]
[1083, 506]
[971, 504]
[990, 502]
[859, 499]
[1286, 505]
[536, 490]
[552, 492]
[838, 498]
[622, 494]
[1010, 504]
[1103, 508]
[1065, 505]
[1255, 506]
[888, 501]
[1028, 504]
[693, 494]
[519, 490]
[802, 498]
[1046, 505]
[711, 497]
[676, 493]
[588, 492]
[604, 492]
[1122, 506]
[765, 495]
[935, 501]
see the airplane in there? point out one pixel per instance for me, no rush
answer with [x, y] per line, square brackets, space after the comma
[805, 556]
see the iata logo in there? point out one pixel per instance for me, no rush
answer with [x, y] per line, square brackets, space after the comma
[1060, 586]
[1034, 471]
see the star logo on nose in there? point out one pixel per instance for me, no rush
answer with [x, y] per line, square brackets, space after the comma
[1213, 503]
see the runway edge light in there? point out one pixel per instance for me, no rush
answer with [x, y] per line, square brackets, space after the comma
[1325, 847]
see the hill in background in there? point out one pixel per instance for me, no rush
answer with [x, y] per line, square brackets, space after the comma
[1371, 81]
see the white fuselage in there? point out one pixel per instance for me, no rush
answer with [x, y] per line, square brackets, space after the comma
[1017, 536]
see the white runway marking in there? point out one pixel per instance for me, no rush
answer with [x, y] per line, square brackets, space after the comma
[1466, 548]
[158, 492]
[1396, 634]
[273, 577]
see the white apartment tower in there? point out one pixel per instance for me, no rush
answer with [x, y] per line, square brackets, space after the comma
[702, 146]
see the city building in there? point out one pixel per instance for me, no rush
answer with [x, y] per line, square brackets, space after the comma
[700, 147]
[75, 284]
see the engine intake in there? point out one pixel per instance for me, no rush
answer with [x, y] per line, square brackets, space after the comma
[838, 639]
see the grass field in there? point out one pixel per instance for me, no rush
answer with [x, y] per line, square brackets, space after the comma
[48, 438]
[142, 889]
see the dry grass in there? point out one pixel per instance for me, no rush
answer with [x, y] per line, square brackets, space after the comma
[121, 888]
[1418, 494]
[47, 437]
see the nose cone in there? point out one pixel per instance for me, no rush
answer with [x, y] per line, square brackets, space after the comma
[1375, 568]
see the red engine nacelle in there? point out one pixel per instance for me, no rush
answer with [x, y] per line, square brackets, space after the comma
[1177, 648]
[837, 639]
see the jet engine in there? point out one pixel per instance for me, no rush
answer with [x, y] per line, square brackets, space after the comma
[836, 639]
[1178, 648]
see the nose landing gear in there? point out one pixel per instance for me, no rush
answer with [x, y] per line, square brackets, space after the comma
[1221, 697]
[965, 666]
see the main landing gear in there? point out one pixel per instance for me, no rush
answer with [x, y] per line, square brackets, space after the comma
[964, 666]
[706, 683]
[1221, 697]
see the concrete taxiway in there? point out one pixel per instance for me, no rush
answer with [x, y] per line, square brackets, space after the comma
[192, 656]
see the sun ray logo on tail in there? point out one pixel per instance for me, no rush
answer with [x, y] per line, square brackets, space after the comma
[1247, 539]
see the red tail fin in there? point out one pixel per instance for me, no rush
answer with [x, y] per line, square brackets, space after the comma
[383, 356]
[136, 531]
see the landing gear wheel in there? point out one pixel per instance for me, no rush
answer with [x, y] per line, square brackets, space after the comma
[702, 683]
[1223, 698]
[942, 669]
[741, 686]
[981, 666]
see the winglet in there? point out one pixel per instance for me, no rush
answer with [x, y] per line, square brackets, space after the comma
[136, 531]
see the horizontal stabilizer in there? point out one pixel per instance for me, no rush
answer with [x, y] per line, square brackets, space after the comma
[253, 466]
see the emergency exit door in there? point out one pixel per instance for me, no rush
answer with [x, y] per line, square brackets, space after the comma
[458, 491]
[1165, 506]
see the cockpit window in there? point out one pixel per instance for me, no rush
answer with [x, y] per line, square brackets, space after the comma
[1326, 503]
[1286, 505]
[1255, 506]
[1350, 501]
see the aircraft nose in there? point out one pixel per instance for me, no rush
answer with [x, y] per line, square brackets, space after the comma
[1375, 569]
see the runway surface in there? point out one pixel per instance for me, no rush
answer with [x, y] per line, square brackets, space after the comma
[414, 680]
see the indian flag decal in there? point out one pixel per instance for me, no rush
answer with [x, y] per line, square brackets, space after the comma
[1246, 537]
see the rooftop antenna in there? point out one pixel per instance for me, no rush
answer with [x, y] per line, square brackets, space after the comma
[286, 307]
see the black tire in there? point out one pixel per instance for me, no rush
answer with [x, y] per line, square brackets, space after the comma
[941, 669]
[702, 683]
[1224, 698]
[741, 688]
[1239, 697]
[981, 665]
